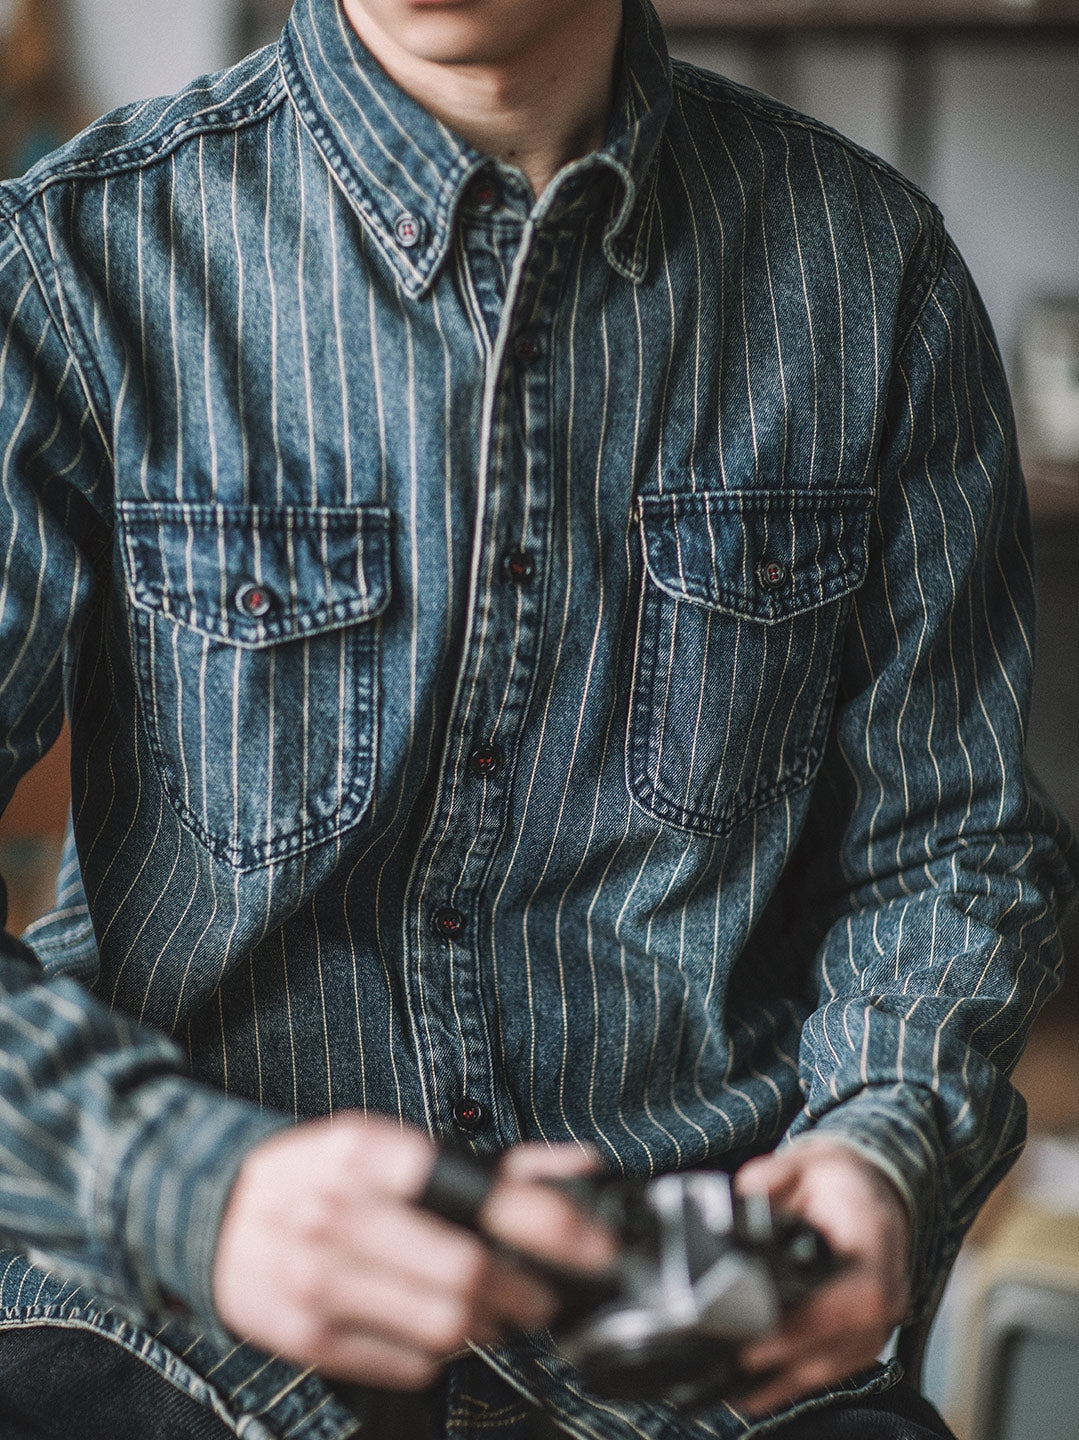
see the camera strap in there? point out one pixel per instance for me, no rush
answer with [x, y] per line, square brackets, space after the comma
[457, 1186]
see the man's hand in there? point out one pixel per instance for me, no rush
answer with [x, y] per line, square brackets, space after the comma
[845, 1325]
[324, 1259]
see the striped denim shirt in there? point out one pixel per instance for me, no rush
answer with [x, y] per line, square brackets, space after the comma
[540, 669]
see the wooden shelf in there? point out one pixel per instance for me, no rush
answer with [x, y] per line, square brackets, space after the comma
[40, 803]
[764, 17]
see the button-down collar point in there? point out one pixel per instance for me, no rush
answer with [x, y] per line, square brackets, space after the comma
[407, 167]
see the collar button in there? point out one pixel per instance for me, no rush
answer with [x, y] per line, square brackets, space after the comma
[484, 194]
[409, 231]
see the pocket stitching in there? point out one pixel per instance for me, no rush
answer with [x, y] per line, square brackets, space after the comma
[733, 505]
[653, 794]
[355, 523]
[362, 658]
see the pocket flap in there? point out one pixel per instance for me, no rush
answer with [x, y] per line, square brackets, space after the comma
[255, 575]
[758, 554]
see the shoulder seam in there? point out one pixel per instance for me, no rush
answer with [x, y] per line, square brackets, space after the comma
[58, 323]
[718, 89]
[156, 147]
[943, 247]
[930, 239]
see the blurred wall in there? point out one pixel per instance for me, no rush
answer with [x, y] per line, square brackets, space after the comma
[1006, 169]
[131, 49]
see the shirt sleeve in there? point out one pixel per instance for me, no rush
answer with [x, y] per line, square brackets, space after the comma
[114, 1164]
[930, 930]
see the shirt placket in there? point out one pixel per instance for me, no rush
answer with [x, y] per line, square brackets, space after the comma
[506, 275]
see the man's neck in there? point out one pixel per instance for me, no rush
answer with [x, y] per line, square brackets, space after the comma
[537, 108]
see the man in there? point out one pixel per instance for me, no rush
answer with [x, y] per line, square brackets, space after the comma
[533, 554]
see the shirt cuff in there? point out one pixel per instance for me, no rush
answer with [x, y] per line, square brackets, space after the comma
[894, 1129]
[163, 1199]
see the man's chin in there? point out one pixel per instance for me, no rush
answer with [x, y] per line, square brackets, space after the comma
[477, 33]
[448, 38]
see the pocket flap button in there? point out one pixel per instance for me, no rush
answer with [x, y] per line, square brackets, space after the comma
[254, 600]
[772, 574]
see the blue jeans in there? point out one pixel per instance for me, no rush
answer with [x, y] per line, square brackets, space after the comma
[58, 1383]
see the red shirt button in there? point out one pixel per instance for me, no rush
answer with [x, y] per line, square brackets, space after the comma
[484, 194]
[518, 566]
[254, 600]
[448, 923]
[772, 574]
[485, 760]
[469, 1114]
[527, 349]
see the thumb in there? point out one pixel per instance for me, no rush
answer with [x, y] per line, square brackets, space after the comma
[775, 1175]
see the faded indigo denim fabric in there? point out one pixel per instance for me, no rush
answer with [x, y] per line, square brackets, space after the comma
[545, 669]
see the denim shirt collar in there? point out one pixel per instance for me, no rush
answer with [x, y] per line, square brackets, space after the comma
[405, 171]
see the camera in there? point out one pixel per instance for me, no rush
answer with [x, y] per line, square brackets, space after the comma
[700, 1271]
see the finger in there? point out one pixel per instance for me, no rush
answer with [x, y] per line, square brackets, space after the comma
[537, 1220]
[437, 1323]
[377, 1154]
[549, 1162]
[857, 1350]
[423, 1253]
[845, 1315]
[495, 1293]
[775, 1174]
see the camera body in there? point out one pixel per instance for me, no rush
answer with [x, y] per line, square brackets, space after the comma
[700, 1271]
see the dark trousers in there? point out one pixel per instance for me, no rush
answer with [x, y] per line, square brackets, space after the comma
[62, 1383]
[58, 1382]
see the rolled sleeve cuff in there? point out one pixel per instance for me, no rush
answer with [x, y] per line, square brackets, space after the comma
[164, 1199]
[894, 1129]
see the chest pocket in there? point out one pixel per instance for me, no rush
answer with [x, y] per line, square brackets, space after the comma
[743, 601]
[256, 646]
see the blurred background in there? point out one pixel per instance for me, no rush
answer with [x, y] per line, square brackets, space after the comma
[978, 101]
